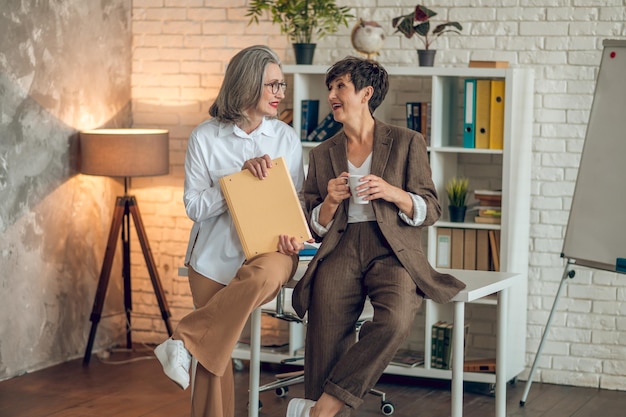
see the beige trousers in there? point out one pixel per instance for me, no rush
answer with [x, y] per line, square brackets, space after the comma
[211, 331]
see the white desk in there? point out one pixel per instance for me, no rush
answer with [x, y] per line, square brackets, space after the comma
[480, 284]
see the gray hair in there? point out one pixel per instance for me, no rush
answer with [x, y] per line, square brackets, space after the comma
[243, 83]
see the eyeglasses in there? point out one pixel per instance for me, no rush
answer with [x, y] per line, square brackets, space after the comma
[275, 85]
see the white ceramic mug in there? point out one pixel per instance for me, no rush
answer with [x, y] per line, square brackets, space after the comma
[353, 182]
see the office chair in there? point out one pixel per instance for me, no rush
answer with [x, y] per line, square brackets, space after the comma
[278, 309]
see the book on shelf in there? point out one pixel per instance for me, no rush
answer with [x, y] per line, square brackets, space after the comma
[490, 198]
[414, 116]
[444, 247]
[469, 252]
[487, 220]
[408, 358]
[458, 248]
[310, 115]
[488, 64]
[480, 365]
[440, 346]
[446, 345]
[482, 250]
[489, 211]
[327, 128]
[441, 352]
[488, 214]
[287, 116]
[418, 118]
[426, 121]
[494, 249]
[435, 346]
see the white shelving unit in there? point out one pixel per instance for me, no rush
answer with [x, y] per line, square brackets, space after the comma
[507, 169]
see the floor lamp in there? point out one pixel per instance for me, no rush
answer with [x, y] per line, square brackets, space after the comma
[125, 153]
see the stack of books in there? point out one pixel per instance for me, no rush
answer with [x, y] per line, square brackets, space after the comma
[418, 118]
[327, 128]
[489, 206]
[441, 344]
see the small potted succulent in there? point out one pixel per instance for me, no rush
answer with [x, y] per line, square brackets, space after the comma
[418, 23]
[457, 189]
[301, 20]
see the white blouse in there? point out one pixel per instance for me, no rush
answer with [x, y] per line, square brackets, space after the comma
[214, 150]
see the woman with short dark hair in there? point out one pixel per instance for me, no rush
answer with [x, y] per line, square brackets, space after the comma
[368, 250]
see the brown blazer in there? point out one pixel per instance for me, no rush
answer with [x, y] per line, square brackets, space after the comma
[399, 157]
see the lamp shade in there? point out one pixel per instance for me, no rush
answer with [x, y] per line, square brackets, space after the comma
[125, 152]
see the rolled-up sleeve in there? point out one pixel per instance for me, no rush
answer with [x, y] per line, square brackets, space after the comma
[316, 226]
[419, 211]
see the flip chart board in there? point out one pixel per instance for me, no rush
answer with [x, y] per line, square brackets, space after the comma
[596, 229]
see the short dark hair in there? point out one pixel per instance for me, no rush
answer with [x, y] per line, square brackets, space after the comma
[363, 73]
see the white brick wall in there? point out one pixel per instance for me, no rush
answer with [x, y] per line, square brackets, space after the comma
[181, 48]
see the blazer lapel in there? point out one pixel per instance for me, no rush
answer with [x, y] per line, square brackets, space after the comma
[339, 155]
[339, 163]
[382, 148]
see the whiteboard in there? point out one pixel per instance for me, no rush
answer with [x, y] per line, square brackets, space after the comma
[596, 229]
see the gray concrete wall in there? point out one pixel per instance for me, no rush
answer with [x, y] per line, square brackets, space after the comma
[64, 67]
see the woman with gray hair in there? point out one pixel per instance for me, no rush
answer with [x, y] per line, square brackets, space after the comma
[244, 133]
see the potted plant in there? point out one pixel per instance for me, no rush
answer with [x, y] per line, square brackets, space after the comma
[418, 23]
[301, 20]
[457, 189]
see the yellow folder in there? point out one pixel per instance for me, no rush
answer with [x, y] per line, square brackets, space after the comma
[483, 88]
[264, 209]
[496, 118]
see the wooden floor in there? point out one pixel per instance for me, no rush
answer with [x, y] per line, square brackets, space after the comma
[135, 386]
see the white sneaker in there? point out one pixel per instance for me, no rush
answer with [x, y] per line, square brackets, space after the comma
[299, 407]
[175, 360]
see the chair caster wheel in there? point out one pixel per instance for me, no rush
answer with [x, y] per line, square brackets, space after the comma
[238, 365]
[281, 392]
[387, 408]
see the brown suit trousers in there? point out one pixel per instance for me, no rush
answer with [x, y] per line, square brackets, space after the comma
[363, 264]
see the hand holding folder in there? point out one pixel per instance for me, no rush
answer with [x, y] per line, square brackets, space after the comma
[264, 209]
